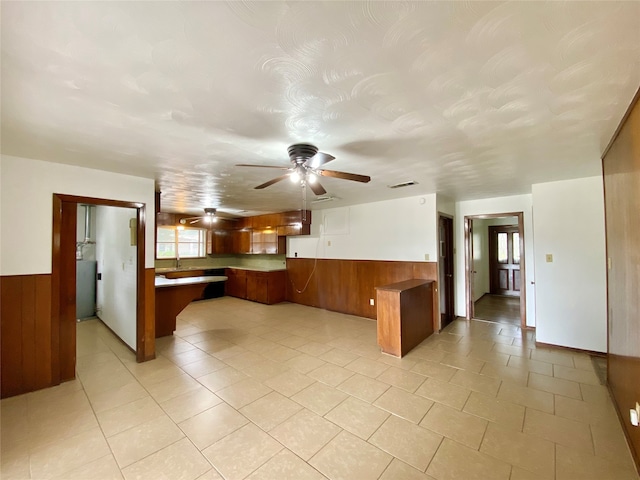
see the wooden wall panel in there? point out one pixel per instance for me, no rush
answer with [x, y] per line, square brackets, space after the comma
[621, 168]
[347, 285]
[26, 333]
[149, 313]
[43, 332]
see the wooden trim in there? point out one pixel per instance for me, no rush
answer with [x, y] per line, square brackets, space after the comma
[468, 255]
[452, 300]
[55, 290]
[62, 283]
[634, 101]
[104, 202]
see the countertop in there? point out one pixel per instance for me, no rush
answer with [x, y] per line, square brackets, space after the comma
[172, 282]
[186, 269]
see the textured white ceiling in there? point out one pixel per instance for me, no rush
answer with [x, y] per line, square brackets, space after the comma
[469, 99]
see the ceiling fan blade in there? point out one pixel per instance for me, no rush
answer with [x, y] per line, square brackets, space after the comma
[319, 159]
[317, 188]
[272, 181]
[261, 166]
[344, 175]
[195, 221]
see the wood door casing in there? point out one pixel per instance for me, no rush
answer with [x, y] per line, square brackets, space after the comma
[504, 266]
[445, 269]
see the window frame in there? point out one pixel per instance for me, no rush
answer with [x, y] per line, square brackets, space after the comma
[202, 242]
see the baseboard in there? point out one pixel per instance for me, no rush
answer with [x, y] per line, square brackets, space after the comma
[572, 349]
[116, 335]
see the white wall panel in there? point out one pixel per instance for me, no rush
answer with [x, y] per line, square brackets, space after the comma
[402, 229]
[571, 290]
[27, 188]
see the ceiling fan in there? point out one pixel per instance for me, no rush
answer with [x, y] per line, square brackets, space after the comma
[305, 169]
[209, 217]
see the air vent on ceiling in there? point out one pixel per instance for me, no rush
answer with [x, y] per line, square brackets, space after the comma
[403, 184]
[324, 198]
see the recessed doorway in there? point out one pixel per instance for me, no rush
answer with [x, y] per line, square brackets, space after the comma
[494, 268]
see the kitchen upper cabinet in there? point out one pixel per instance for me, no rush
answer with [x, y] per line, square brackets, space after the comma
[264, 241]
[262, 234]
[241, 241]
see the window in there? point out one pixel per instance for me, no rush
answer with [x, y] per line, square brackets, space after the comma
[516, 247]
[503, 248]
[187, 242]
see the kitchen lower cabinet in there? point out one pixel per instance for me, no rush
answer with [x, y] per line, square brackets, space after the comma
[236, 285]
[262, 287]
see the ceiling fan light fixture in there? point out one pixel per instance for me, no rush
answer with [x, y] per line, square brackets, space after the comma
[295, 176]
[312, 178]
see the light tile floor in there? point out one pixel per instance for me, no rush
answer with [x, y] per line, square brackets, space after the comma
[282, 392]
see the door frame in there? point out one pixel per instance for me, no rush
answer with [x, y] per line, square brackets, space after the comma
[63, 285]
[468, 278]
[449, 299]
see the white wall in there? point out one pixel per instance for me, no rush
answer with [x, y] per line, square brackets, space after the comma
[116, 291]
[571, 290]
[512, 204]
[26, 199]
[403, 229]
[480, 264]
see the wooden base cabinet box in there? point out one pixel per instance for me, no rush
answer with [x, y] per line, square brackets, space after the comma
[405, 315]
[263, 287]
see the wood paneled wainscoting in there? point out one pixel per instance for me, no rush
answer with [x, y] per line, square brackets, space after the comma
[25, 309]
[621, 168]
[38, 312]
[346, 286]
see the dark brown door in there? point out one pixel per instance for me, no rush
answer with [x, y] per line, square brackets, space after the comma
[504, 260]
[445, 268]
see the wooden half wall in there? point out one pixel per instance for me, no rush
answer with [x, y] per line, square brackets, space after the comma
[25, 309]
[621, 169]
[346, 286]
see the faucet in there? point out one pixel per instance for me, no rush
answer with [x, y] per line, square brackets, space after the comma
[177, 260]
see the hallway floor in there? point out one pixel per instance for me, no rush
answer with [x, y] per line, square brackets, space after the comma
[245, 390]
[498, 308]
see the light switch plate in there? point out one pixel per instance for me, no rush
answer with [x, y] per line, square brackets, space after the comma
[549, 257]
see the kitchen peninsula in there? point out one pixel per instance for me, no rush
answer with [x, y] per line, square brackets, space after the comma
[174, 294]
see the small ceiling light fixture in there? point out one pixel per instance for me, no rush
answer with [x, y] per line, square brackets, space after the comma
[209, 217]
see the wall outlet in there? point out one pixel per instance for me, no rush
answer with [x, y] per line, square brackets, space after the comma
[549, 257]
[426, 257]
[371, 302]
[328, 243]
[634, 415]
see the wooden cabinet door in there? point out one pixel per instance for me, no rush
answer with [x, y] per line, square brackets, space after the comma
[241, 241]
[258, 282]
[236, 285]
[277, 288]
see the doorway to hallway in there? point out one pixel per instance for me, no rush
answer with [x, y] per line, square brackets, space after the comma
[495, 268]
